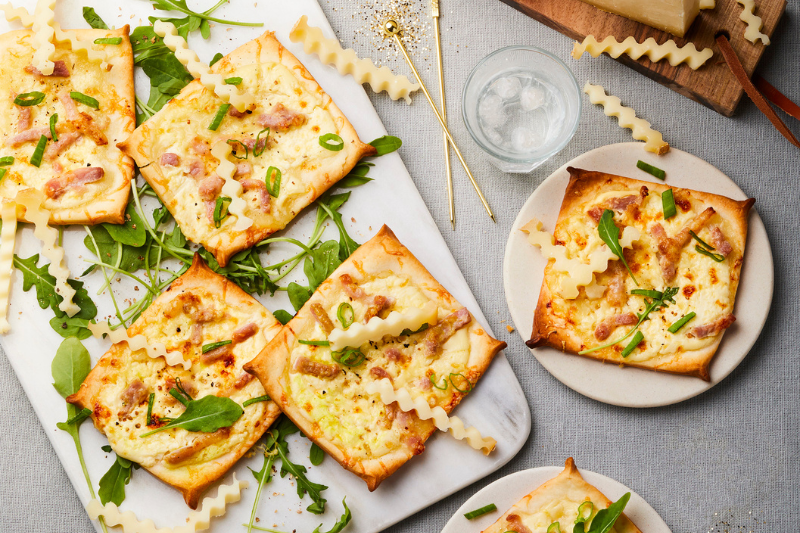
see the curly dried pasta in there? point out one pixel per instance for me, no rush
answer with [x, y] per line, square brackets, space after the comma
[139, 342]
[612, 107]
[213, 82]
[232, 188]
[197, 520]
[17, 13]
[346, 61]
[578, 273]
[32, 200]
[377, 327]
[754, 23]
[8, 212]
[76, 45]
[650, 48]
[43, 33]
[708, 4]
[388, 395]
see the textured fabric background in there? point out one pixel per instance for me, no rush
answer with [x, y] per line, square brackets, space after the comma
[727, 460]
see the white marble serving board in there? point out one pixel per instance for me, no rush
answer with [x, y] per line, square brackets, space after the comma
[523, 270]
[497, 406]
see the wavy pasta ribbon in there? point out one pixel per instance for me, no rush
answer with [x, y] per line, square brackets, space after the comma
[43, 33]
[578, 273]
[32, 200]
[754, 23]
[377, 327]
[196, 521]
[232, 188]
[76, 45]
[445, 423]
[8, 212]
[612, 107]
[650, 48]
[17, 13]
[139, 342]
[347, 61]
[708, 4]
[231, 94]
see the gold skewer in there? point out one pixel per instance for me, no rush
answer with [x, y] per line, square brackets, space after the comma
[393, 30]
[448, 168]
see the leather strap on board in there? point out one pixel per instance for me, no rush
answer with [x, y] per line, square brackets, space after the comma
[738, 70]
[776, 97]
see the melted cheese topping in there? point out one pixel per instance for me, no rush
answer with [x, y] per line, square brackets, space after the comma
[650, 48]
[343, 413]
[705, 285]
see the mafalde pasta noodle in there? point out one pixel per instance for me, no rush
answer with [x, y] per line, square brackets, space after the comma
[668, 300]
[288, 149]
[655, 52]
[754, 23]
[328, 393]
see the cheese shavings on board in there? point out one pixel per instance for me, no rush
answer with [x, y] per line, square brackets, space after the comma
[17, 13]
[232, 188]
[43, 33]
[440, 419]
[578, 273]
[754, 23]
[139, 342]
[377, 327]
[612, 107]
[230, 94]
[650, 48]
[346, 61]
[32, 200]
[196, 521]
[8, 234]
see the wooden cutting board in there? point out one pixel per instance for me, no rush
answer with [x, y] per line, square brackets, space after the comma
[712, 85]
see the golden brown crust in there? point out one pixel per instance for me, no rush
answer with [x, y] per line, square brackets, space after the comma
[225, 244]
[558, 333]
[380, 254]
[190, 475]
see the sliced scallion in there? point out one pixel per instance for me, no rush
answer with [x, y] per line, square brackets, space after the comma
[53, 122]
[233, 143]
[678, 324]
[555, 527]
[668, 204]
[345, 314]
[657, 295]
[38, 153]
[221, 112]
[432, 377]
[251, 401]
[84, 99]
[639, 337]
[178, 395]
[332, 142]
[650, 169]
[349, 357]
[466, 388]
[703, 243]
[314, 343]
[274, 176]
[233, 81]
[7, 160]
[108, 40]
[716, 257]
[582, 517]
[150, 400]
[220, 210]
[29, 99]
[214, 345]
[3, 173]
[486, 509]
[256, 150]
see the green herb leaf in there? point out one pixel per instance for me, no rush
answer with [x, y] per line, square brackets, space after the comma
[29, 99]
[112, 484]
[321, 263]
[346, 244]
[332, 142]
[407, 332]
[84, 99]
[304, 486]
[637, 338]
[341, 523]
[70, 367]
[132, 232]
[650, 169]
[214, 345]
[605, 519]
[6, 161]
[486, 509]
[109, 40]
[298, 295]
[314, 343]
[53, 130]
[648, 293]
[82, 415]
[113, 252]
[208, 414]
[283, 316]
[609, 233]
[233, 81]
[678, 324]
[317, 455]
[38, 152]
[93, 19]
[150, 401]
[3, 173]
[357, 176]
[216, 58]
[351, 357]
[106, 448]
[204, 17]
[668, 204]
[386, 145]
[259, 399]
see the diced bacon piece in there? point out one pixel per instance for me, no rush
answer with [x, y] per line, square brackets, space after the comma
[55, 187]
[261, 188]
[251, 143]
[616, 293]
[304, 365]
[595, 213]
[65, 140]
[621, 203]
[170, 160]
[321, 316]
[131, 397]
[707, 330]
[236, 113]
[197, 170]
[395, 355]
[60, 70]
[415, 444]
[607, 325]
[216, 354]
[242, 333]
[196, 337]
[425, 383]
[515, 524]
[211, 187]
[211, 205]
[379, 373]
[391, 411]
[200, 147]
[351, 287]
[719, 241]
[243, 379]
[69, 106]
[244, 169]
[669, 248]
[379, 304]
[81, 121]
[24, 119]
[203, 441]
[280, 118]
[437, 335]
[683, 237]
[28, 136]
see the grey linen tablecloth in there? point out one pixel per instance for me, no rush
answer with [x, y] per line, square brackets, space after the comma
[727, 460]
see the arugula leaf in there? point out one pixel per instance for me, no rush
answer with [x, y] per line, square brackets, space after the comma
[357, 176]
[304, 486]
[283, 316]
[605, 519]
[93, 19]
[112, 252]
[346, 244]
[70, 367]
[609, 233]
[71, 327]
[132, 232]
[106, 448]
[317, 455]
[321, 263]
[298, 295]
[341, 523]
[386, 145]
[208, 414]
[112, 484]
[204, 17]
[214, 59]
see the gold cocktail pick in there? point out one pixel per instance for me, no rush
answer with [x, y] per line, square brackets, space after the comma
[393, 30]
[447, 167]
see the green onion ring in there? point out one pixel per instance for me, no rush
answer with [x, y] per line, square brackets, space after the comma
[349, 357]
[29, 99]
[53, 121]
[345, 314]
[233, 143]
[275, 188]
[453, 383]
[256, 151]
[335, 146]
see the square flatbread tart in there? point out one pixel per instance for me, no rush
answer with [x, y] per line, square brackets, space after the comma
[557, 501]
[695, 254]
[200, 308]
[84, 177]
[324, 391]
[283, 132]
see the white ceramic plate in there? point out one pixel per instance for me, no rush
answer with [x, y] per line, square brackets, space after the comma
[507, 491]
[523, 271]
[497, 406]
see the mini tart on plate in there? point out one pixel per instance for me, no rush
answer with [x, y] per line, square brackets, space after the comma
[84, 176]
[558, 500]
[200, 308]
[664, 255]
[292, 113]
[325, 394]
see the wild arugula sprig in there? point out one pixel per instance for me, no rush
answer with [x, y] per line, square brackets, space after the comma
[609, 232]
[207, 415]
[112, 484]
[605, 519]
[193, 20]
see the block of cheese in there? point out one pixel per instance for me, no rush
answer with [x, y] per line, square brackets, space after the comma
[673, 16]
